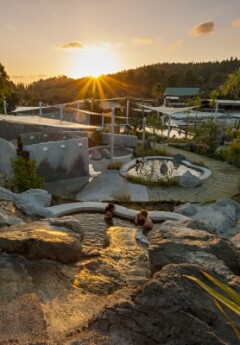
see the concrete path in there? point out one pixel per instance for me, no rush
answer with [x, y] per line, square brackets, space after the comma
[223, 182]
[104, 186]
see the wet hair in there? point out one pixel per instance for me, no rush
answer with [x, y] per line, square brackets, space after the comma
[144, 213]
[110, 206]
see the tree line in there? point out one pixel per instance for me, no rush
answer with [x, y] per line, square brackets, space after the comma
[215, 79]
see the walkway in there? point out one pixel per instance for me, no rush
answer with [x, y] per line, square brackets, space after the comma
[223, 182]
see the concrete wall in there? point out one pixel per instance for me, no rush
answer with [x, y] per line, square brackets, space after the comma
[123, 140]
[10, 130]
[61, 160]
[46, 135]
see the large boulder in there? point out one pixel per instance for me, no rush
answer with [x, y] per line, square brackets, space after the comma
[40, 240]
[220, 217]
[188, 180]
[170, 309]
[178, 158]
[34, 202]
[8, 214]
[6, 194]
[175, 243]
[96, 155]
[7, 152]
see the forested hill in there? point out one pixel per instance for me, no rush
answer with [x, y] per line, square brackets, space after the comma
[139, 82]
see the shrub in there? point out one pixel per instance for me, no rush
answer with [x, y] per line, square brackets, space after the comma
[25, 174]
[143, 152]
[233, 153]
[115, 165]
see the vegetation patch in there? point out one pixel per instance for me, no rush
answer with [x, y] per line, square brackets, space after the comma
[168, 182]
[115, 165]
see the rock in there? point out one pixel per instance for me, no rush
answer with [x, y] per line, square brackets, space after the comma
[188, 180]
[38, 240]
[163, 168]
[7, 152]
[170, 309]
[186, 209]
[69, 223]
[174, 243]
[34, 202]
[106, 153]
[8, 214]
[6, 194]
[220, 217]
[178, 158]
[96, 155]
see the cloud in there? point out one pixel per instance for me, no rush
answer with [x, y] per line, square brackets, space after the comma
[70, 45]
[177, 44]
[203, 29]
[143, 41]
[236, 23]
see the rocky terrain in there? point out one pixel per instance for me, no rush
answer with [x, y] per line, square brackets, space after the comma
[77, 280]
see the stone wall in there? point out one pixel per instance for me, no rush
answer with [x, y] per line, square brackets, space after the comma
[61, 160]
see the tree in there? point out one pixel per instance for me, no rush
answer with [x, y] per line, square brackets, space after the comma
[232, 85]
[157, 92]
[5, 86]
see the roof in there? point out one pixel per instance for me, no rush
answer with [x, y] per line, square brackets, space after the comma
[181, 91]
[227, 101]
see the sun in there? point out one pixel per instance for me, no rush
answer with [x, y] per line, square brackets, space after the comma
[94, 63]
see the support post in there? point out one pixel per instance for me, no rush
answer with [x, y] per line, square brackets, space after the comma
[112, 134]
[169, 126]
[5, 107]
[40, 108]
[216, 111]
[127, 113]
[143, 133]
[164, 104]
[61, 111]
[103, 121]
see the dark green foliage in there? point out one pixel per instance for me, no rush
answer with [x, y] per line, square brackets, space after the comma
[25, 174]
[139, 82]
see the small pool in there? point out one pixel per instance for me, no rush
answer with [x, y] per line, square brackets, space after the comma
[161, 168]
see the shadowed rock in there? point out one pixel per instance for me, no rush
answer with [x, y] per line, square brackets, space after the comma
[188, 180]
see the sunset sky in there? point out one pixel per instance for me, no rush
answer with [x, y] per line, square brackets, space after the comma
[46, 38]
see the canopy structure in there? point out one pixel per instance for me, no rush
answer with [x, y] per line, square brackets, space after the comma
[226, 102]
[168, 111]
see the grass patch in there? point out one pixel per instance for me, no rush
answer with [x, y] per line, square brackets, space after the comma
[115, 165]
[144, 152]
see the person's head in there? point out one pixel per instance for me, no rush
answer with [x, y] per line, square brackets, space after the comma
[144, 214]
[111, 207]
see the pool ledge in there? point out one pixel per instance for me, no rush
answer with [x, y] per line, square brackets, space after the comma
[121, 211]
[206, 173]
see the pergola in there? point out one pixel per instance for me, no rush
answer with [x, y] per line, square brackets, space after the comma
[169, 111]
